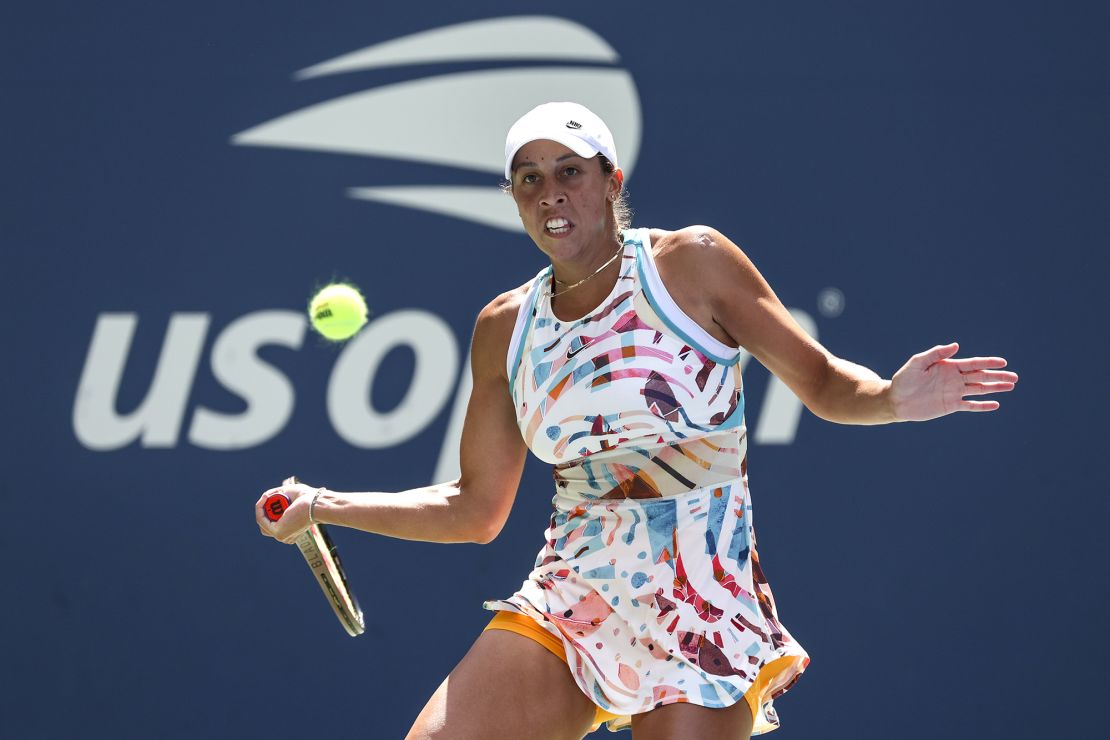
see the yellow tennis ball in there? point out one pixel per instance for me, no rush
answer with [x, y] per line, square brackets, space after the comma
[337, 311]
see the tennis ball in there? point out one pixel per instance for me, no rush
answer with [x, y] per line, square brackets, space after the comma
[337, 311]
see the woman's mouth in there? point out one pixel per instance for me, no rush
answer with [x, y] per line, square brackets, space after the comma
[557, 226]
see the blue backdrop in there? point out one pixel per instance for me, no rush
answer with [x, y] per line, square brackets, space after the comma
[178, 179]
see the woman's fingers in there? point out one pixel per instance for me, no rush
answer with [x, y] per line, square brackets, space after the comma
[979, 405]
[980, 389]
[274, 529]
[936, 354]
[989, 376]
[972, 364]
[965, 364]
[259, 512]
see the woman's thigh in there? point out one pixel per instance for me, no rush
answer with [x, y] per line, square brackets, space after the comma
[506, 686]
[683, 720]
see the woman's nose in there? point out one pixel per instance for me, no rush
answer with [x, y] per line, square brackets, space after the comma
[553, 197]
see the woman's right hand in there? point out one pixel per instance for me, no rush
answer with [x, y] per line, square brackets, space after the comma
[295, 519]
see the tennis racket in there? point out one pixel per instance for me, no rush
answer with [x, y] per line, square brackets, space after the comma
[320, 554]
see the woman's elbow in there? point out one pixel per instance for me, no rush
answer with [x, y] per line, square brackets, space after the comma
[486, 531]
[816, 389]
[483, 508]
[482, 525]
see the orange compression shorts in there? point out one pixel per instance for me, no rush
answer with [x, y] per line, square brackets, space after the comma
[527, 627]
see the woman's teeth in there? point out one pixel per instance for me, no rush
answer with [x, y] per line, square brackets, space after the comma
[557, 225]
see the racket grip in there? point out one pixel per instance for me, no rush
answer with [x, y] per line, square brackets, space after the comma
[275, 505]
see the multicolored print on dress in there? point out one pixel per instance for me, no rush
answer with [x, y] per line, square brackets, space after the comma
[649, 575]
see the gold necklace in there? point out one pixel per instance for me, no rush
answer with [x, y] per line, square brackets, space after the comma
[552, 294]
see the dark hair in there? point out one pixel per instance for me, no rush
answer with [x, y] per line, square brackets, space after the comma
[622, 211]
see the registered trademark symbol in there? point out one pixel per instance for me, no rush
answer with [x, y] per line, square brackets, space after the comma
[830, 302]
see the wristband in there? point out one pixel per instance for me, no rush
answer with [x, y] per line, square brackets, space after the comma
[312, 506]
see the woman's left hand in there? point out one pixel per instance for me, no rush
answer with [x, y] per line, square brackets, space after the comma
[933, 384]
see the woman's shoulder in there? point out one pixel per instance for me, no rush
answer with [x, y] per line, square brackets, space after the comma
[494, 328]
[689, 242]
[697, 266]
[502, 311]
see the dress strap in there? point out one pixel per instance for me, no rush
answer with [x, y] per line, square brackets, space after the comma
[670, 313]
[524, 317]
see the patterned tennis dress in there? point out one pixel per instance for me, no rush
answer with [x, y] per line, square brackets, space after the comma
[649, 576]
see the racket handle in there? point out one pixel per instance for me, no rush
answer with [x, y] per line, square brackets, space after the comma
[275, 506]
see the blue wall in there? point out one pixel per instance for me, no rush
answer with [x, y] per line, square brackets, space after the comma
[942, 165]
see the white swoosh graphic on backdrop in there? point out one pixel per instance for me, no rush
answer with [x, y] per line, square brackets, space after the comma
[489, 206]
[459, 119]
[521, 37]
[456, 119]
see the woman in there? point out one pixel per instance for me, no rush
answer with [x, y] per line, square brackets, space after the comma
[618, 364]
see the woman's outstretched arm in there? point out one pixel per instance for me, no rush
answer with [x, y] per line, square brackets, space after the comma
[742, 304]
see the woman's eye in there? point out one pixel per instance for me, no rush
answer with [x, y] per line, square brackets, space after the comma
[528, 179]
[570, 171]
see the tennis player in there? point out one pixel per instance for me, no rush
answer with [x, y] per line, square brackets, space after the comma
[618, 364]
